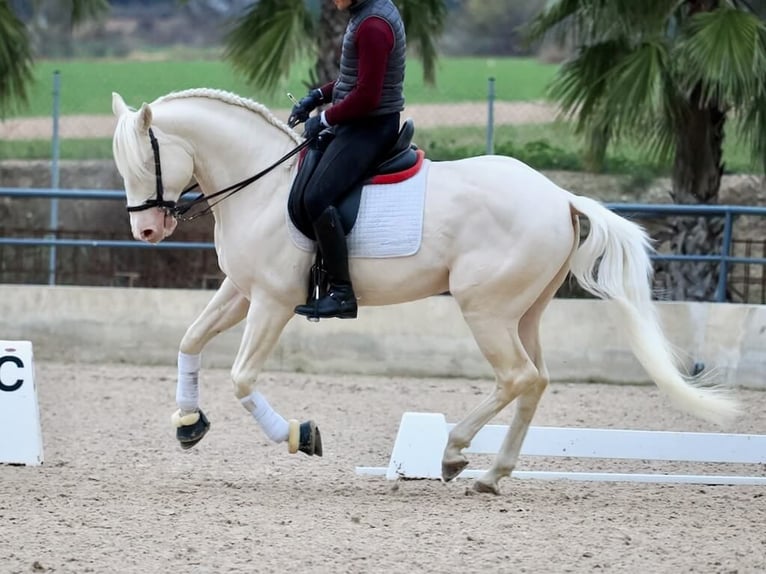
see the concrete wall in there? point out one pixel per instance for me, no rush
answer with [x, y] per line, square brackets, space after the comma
[583, 340]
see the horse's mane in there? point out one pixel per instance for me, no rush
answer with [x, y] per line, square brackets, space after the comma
[233, 99]
[128, 143]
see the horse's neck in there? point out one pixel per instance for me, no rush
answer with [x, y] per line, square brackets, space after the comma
[231, 143]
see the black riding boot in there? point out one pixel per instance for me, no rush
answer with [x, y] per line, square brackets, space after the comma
[340, 300]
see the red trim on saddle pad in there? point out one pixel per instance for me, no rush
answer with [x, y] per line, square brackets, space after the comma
[396, 177]
[400, 176]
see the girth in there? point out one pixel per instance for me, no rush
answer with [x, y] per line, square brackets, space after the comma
[402, 156]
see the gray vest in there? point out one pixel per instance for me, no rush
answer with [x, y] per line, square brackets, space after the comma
[392, 99]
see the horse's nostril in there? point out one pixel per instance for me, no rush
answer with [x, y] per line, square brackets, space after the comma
[147, 234]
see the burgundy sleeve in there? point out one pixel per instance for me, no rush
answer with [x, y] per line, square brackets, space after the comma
[374, 42]
[327, 92]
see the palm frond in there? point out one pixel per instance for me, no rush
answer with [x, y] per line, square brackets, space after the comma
[635, 86]
[614, 89]
[593, 21]
[557, 18]
[581, 84]
[269, 39]
[659, 133]
[724, 53]
[751, 126]
[15, 60]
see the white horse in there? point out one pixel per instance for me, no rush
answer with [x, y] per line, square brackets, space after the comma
[496, 234]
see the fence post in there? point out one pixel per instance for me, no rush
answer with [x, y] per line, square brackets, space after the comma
[491, 117]
[55, 150]
[723, 270]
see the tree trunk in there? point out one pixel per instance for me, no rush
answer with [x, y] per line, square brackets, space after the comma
[332, 24]
[597, 143]
[696, 179]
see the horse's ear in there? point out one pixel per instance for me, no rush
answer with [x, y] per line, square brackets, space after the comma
[119, 106]
[144, 117]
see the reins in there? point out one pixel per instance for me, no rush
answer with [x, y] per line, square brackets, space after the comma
[179, 211]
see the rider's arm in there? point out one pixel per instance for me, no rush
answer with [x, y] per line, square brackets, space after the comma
[374, 43]
[327, 91]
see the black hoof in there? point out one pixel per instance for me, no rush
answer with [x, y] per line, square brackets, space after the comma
[310, 441]
[190, 435]
[304, 437]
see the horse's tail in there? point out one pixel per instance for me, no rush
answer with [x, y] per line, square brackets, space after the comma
[613, 262]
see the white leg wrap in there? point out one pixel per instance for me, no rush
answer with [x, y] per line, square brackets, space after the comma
[187, 390]
[272, 423]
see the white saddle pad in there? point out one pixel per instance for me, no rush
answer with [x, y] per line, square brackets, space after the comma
[390, 220]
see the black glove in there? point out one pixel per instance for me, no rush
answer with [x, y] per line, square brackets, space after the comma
[313, 127]
[301, 110]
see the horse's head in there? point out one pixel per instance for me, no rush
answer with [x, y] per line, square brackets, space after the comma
[155, 167]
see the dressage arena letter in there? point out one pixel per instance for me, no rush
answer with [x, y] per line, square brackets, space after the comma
[20, 434]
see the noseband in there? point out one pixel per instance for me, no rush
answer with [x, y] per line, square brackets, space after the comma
[178, 211]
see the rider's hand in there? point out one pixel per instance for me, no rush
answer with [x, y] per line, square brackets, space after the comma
[313, 127]
[301, 111]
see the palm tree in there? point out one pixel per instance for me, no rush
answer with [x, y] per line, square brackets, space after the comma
[16, 57]
[273, 35]
[670, 74]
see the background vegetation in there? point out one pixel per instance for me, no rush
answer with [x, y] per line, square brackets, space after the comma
[87, 85]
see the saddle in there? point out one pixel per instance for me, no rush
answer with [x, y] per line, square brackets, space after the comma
[402, 161]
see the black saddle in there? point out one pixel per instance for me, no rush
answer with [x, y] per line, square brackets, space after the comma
[403, 155]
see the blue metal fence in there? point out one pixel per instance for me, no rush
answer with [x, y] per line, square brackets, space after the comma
[645, 211]
[724, 258]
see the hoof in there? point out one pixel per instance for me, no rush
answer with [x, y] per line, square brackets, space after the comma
[483, 487]
[304, 437]
[451, 469]
[189, 432]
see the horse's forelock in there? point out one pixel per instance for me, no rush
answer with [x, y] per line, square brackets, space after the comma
[128, 146]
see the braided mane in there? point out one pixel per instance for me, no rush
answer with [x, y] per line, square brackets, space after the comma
[234, 99]
[129, 146]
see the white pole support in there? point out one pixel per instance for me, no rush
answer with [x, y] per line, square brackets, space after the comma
[422, 437]
[20, 434]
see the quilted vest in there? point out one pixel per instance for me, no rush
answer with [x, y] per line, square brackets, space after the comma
[392, 98]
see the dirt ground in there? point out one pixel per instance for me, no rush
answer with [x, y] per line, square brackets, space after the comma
[425, 115]
[116, 493]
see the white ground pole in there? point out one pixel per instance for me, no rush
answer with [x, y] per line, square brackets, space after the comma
[422, 437]
[20, 434]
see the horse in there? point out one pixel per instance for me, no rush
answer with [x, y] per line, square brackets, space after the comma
[497, 235]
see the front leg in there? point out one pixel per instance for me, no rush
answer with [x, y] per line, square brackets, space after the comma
[266, 320]
[226, 308]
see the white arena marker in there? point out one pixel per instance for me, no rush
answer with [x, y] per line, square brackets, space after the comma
[422, 437]
[20, 435]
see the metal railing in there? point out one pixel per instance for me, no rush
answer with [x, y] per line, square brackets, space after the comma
[647, 211]
[724, 258]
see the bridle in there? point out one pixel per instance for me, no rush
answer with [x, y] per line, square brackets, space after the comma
[179, 211]
[159, 200]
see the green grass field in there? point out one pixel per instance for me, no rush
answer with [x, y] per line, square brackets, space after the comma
[544, 146]
[86, 86]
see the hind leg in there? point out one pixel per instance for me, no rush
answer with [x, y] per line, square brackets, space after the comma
[526, 406]
[515, 373]
[529, 331]
[225, 309]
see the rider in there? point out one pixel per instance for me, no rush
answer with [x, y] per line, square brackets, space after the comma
[366, 100]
